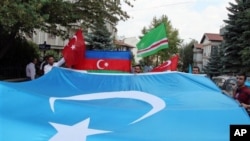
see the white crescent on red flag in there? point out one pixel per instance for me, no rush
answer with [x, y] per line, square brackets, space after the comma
[169, 65]
[74, 51]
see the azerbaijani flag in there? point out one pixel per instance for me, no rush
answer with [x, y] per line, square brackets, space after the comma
[153, 41]
[106, 61]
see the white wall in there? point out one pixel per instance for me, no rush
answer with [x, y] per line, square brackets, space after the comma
[133, 41]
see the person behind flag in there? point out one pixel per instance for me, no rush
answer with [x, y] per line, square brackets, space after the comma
[137, 69]
[44, 62]
[147, 67]
[31, 69]
[52, 64]
[196, 70]
[242, 93]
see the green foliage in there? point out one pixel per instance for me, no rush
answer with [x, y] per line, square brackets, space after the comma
[21, 52]
[100, 38]
[19, 55]
[220, 54]
[55, 16]
[54, 54]
[236, 49]
[214, 63]
[245, 38]
[173, 41]
[21, 17]
[186, 56]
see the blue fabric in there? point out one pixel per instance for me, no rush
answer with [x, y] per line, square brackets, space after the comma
[195, 109]
[125, 55]
[190, 68]
[247, 83]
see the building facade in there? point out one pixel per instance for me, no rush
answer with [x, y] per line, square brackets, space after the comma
[57, 43]
[133, 41]
[202, 51]
[197, 55]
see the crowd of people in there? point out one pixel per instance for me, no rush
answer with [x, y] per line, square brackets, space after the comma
[240, 92]
[141, 69]
[34, 70]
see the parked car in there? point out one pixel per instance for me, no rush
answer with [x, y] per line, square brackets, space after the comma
[228, 83]
[220, 80]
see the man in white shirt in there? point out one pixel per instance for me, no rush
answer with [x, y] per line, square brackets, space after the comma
[31, 69]
[52, 64]
[44, 62]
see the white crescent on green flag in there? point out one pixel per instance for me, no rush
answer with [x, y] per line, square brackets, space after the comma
[153, 41]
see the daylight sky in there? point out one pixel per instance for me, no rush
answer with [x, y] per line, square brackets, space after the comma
[192, 18]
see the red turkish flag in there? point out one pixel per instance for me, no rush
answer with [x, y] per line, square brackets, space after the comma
[169, 65]
[74, 51]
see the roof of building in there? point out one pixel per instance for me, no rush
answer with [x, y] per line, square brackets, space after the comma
[198, 45]
[212, 37]
[121, 43]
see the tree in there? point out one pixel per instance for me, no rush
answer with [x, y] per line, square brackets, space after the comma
[100, 38]
[13, 65]
[213, 66]
[220, 54]
[236, 45]
[186, 55]
[173, 41]
[21, 17]
[244, 39]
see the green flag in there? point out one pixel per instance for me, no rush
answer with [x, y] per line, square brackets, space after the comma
[153, 41]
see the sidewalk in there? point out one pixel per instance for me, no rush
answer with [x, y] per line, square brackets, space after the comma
[15, 80]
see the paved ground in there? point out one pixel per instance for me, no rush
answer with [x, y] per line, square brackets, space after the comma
[15, 80]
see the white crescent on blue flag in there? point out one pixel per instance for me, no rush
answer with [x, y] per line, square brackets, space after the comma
[67, 105]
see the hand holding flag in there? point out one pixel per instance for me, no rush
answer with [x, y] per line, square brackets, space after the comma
[74, 51]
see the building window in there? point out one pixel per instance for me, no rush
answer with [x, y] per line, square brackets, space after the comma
[52, 36]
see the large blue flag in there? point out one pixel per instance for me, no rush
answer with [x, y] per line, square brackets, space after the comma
[67, 105]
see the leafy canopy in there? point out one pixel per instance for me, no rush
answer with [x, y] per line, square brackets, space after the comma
[55, 16]
[236, 49]
[173, 41]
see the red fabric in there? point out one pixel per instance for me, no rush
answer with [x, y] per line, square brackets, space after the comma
[243, 95]
[74, 51]
[170, 65]
[174, 63]
[105, 64]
